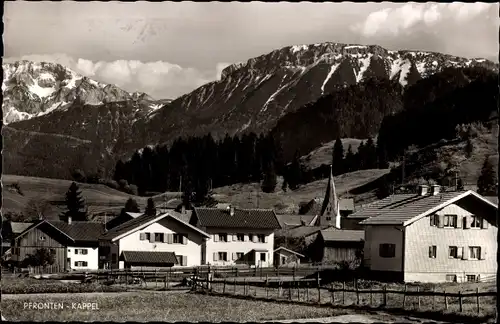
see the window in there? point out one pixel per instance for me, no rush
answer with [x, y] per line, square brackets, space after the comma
[450, 220]
[261, 238]
[239, 255]
[159, 237]
[387, 250]
[222, 256]
[471, 278]
[42, 238]
[432, 251]
[240, 237]
[81, 251]
[451, 278]
[328, 218]
[178, 238]
[263, 257]
[434, 220]
[148, 236]
[81, 263]
[250, 237]
[476, 222]
[453, 252]
[222, 237]
[474, 252]
[283, 260]
[179, 259]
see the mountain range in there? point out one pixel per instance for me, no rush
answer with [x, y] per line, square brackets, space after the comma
[58, 121]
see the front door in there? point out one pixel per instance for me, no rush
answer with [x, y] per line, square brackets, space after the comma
[68, 264]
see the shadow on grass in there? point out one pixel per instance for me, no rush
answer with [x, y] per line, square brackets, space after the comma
[429, 315]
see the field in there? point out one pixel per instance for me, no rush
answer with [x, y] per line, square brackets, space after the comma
[323, 154]
[251, 196]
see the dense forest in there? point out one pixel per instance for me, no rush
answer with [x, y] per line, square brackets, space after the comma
[425, 113]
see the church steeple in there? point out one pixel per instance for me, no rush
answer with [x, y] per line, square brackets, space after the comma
[330, 211]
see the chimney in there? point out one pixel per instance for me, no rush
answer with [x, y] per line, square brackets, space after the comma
[69, 219]
[183, 209]
[423, 190]
[435, 189]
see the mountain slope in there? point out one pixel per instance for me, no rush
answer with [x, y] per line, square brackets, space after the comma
[35, 89]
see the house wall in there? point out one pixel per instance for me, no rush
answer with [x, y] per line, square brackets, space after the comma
[31, 241]
[92, 258]
[106, 251]
[420, 235]
[333, 253]
[233, 246]
[191, 250]
[291, 258]
[380, 234]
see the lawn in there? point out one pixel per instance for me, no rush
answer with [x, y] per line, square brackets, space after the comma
[14, 285]
[159, 306]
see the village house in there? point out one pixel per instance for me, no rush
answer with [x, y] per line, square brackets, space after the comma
[156, 241]
[74, 244]
[284, 257]
[334, 245]
[432, 237]
[121, 219]
[239, 236]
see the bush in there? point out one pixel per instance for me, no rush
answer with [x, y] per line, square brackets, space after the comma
[133, 190]
[122, 183]
[111, 183]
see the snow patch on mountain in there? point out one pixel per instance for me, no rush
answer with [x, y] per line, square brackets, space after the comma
[365, 62]
[333, 68]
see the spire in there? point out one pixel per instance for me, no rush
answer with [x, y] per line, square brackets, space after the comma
[330, 207]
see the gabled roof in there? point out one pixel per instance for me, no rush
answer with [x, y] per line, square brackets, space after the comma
[408, 208]
[284, 248]
[313, 207]
[301, 231]
[242, 218]
[134, 215]
[88, 232]
[339, 235]
[18, 228]
[144, 221]
[147, 257]
[287, 220]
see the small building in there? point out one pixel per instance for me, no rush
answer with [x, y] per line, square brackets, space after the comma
[239, 236]
[74, 244]
[284, 257]
[432, 236]
[152, 241]
[336, 245]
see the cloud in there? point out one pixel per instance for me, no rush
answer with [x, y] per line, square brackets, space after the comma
[159, 79]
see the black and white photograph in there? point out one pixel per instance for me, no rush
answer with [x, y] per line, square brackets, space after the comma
[286, 162]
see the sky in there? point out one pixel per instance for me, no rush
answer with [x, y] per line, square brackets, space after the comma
[167, 49]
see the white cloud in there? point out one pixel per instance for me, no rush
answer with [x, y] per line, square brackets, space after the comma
[159, 79]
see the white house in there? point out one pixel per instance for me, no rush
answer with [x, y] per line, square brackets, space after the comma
[152, 241]
[239, 236]
[74, 244]
[432, 236]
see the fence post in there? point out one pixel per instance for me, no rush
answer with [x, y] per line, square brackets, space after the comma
[433, 297]
[333, 293]
[418, 290]
[289, 292]
[298, 290]
[156, 279]
[357, 291]
[371, 297]
[319, 288]
[307, 292]
[445, 300]
[460, 301]
[477, 298]
[224, 287]
[385, 296]
[234, 286]
[279, 289]
[343, 293]
[245, 286]
[294, 273]
[404, 296]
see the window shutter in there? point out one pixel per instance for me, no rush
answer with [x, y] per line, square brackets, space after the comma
[430, 252]
[482, 253]
[184, 240]
[216, 237]
[151, 237]
[254, 239]
[234, 256]
[142, 236]
[466, 222]
[484, 223]
[459, 222]
[265, 239]
[460, 252]
[170, 238]
[229, 236]
[165, 238]
[440, 221]
[235, 238]
[215, 256]
[184, 260]
[465, 254]
[246, 238]
[432, 220]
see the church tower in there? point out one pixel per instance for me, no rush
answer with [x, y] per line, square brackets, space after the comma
[330, 210]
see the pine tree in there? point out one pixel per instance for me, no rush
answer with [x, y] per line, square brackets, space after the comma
[294, 174]
[370, 157]
[338, 157]
[75, 204]
[382, 156]
[270, 180]
[150, 207]
[359, 160]
[131, 206]
[469, 148]
[487, 181]
[349, 160]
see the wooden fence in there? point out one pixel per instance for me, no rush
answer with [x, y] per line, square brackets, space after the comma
[310, 291]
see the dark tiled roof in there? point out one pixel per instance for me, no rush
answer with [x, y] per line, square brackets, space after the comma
[127, 226]
[18, 228]
[397, 209]
[242, 218]
[80, 231]
[294, 219]
[338, 235]
[313, 207]
[301, 231]
[146, 257]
